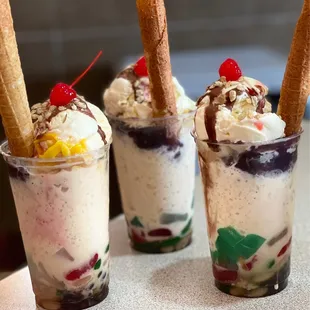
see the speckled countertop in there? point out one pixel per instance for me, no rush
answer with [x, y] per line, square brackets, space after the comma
[183, 280]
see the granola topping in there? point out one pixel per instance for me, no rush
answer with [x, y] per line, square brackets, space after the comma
[129, 96]
[230, 110]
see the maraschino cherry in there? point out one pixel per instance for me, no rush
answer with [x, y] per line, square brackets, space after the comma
[62, 94]
[140, 67]
[230, 69]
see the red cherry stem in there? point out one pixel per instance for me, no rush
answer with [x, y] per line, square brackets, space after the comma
[86, 70]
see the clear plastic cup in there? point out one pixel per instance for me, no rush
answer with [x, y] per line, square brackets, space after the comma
[63, 212]
[249, 195]
[155, 160]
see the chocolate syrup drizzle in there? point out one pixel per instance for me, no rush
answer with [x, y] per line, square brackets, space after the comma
[212, 108]
[253, 160]
[210, 112]
[130, 75]
[147, 137]
[88, 112]
[85, 111]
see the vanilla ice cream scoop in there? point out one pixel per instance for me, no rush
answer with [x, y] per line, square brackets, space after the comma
[235, 109]
[129, 94]
[71, 129]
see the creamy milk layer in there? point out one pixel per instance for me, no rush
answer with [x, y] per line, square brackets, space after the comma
[63, 217]
[254, 205]
[250, 194]
[154, 182]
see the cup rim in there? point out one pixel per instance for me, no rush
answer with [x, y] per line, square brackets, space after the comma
[249, 144]
[4, 151]
[137, 119]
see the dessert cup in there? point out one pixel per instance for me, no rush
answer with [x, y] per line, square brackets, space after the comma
[249, 193]
[63, 212]
[155, 160]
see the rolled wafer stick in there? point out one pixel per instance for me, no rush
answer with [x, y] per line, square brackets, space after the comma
[153, 25]
[296, 84]
[14, 107]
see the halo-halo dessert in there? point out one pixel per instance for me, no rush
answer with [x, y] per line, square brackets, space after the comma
[247, 166]
[61, 193]
[151, 119]
[151, 160]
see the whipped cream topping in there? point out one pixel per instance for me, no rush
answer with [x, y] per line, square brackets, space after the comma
[129, 96]
[237, 111]
[69, 130]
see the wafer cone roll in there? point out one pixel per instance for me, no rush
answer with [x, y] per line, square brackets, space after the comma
[153, 25]
[14, 107]
[296, 84]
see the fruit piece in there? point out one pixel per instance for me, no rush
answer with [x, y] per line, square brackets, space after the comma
[140, 67]
[237, 291]
[231, 245]
[107, 249]
[136, 222]
[62, 94]
[136, 237]
[258, 292]
[249, 265]
[183, 242]
[224, 275]
[160, 232]
[271, 264]
[169, 218]
[187, 228]
[259, 125]
[285, 248]
[230, 69]
[52, 305]
[214, 255]
[77, 273]
[167, 249]
[98, 264]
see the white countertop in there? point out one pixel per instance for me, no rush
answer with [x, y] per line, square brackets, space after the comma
[183, 280]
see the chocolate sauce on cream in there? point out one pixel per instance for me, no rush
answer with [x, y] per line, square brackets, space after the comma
[88, 112]
[83, 109]
[262, 101]
[210, 112]
[219, 96]
[130, 75]
[261, 105]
